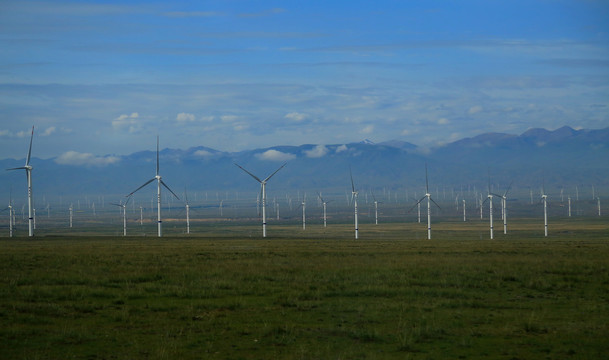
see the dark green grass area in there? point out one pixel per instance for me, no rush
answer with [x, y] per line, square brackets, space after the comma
[300, 297]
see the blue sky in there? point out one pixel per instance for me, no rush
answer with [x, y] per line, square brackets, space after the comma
[104, 77]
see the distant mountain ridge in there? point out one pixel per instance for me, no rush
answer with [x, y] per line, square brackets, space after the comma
[560, 157]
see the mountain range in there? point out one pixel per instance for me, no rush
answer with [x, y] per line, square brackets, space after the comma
[539, 157]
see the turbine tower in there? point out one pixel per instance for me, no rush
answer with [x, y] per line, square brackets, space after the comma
[376, 209]
[304, 216]
[544, 198]
[354, 197]
[160, 182]
[464, 218]
[263, 191]
[490, 203]
[10, 214]
[124, 210]
[187, 212]
[323, 202]
[28, 172]
[504, 207]
[429, 201]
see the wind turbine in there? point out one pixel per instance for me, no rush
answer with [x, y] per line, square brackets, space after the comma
[304, 216]
[71, 214]
[490, 203]
[263, 191]
[429, 201]
[544, 198]
[504, 207]
[10, 214]
[187, 212]
[376, 209]
[354, 197]
[160, 182]
[124, 210]
[324, 203]
[464, 218]
[28, 172]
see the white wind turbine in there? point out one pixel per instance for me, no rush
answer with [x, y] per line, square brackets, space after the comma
[354, 197]
[187, 212]
[304, 214]
[464, 218]
[28, 172]
[10, 214]
[490, 204]
[544, 198]
[376, 209]
[429, 201]
[263, 191]
[324, 203]
[124, 211]
[159, 183]
[504, 207]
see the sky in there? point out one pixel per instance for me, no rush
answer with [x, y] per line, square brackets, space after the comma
[106, 77]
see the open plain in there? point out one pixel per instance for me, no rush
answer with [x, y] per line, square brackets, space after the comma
[314, 294]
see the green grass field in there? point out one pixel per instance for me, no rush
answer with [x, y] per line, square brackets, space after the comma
[316, 294]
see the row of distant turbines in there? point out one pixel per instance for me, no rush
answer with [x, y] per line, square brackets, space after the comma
[263, 182]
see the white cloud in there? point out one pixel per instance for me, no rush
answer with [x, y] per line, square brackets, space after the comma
[24, 134]
[185, 117]
[296, 117]
[48, 131]
[475, 109]
[128, 122]
[367, 130]
[317, 152]
[228, 118]
[4, 133]
[274, 155]
[341, 148]
[202, 153]
[443, 121]
[88, 159]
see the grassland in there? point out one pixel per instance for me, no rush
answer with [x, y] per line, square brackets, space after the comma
[314, 294]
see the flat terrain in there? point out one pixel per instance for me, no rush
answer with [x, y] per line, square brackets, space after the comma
[314, 294]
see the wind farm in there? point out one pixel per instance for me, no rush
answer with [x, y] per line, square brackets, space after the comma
[367, 128]
[215, 284]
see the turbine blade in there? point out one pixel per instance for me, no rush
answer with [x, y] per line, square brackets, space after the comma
[508, 188]
[127, 202]
[417, 203]
[270, 176]
[171, 191]
[18, 168]
[252, 175]
[134, 191]
[29, 153]
[352, 184]
[432, 200]
[157, 154]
